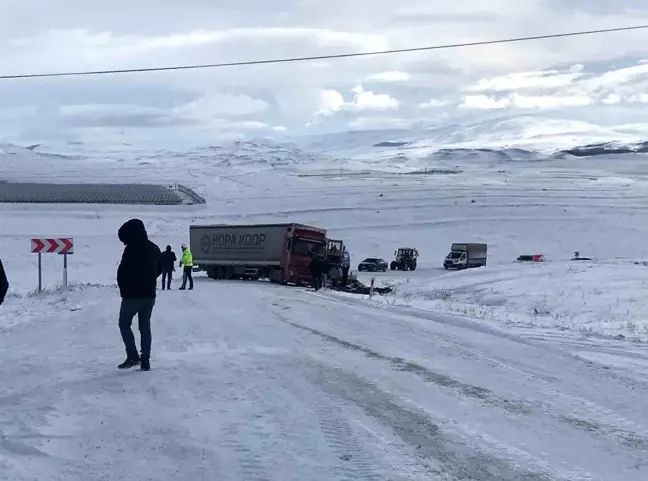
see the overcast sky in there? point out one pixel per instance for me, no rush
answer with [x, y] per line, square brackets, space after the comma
[602, 79]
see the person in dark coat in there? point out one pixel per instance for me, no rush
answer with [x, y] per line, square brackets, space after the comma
[325, 267]
[4, 284]
[140, 266]
[168, 266]
[315, 266]
[346, 265]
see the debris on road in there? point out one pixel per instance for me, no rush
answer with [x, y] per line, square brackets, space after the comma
[357, 287]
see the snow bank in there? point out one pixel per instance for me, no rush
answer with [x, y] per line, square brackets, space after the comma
[602, 298]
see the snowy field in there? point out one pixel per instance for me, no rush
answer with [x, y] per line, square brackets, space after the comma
[510, 372]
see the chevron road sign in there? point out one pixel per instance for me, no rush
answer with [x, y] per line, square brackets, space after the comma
[54, 245]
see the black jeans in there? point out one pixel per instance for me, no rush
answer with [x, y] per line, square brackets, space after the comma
[316, 281]
[143, 308]
[187, 275]
[167, 276]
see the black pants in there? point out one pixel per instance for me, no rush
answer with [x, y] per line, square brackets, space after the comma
[345, 276]
[187, 275]
[316, 281]
[167, 276]
[143, 308]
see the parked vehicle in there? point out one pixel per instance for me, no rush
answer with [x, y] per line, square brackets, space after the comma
[373, 264]
[464, 256]
[531, 258]
[278, 252]
[405, 259]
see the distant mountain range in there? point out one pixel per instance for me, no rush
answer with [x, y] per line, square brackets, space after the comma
[588, 150]
[512, 139]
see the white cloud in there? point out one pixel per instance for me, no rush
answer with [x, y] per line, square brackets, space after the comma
[99, 110]
[332, 101]
[370, 123]
[597, 74]
[391, 76]
[222, 104]
[483, 102]
[367, 100]
[612, 99]
[525, 80]
[433, 104]
[517, 101]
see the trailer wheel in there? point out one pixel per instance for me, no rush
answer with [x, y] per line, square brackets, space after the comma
[211, 272]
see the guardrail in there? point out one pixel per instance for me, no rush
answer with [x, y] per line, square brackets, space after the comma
[197, 198]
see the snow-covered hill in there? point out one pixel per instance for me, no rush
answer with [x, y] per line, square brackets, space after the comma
[495, 141]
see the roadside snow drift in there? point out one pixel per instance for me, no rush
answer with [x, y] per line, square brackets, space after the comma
[595, 298]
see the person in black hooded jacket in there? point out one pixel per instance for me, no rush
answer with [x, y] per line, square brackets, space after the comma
[137, 274]
[4, 284]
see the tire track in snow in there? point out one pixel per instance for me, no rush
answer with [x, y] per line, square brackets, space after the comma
[485, 396]
[445, 458]
[583, 413]
[250, 464]
[355, 463]
[602, 422]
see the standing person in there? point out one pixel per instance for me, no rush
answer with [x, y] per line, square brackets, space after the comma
[325, 266]
[186, 262]
[4, 283]
[333, 276]
[168, 266]
[140, 266]
[316, 274]
[346, 265]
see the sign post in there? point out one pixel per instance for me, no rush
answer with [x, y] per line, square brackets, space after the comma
[371, 287]
[62, 246]
[65, 282]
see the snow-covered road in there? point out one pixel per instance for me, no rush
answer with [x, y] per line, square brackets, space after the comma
[253, 381]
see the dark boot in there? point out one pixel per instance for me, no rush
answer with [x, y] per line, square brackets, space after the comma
[146, 365]
[128, 363]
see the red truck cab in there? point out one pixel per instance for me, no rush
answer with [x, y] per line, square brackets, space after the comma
[301, 241]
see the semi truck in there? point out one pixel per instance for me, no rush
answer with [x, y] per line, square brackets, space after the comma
[278, 252]
[466, 255]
